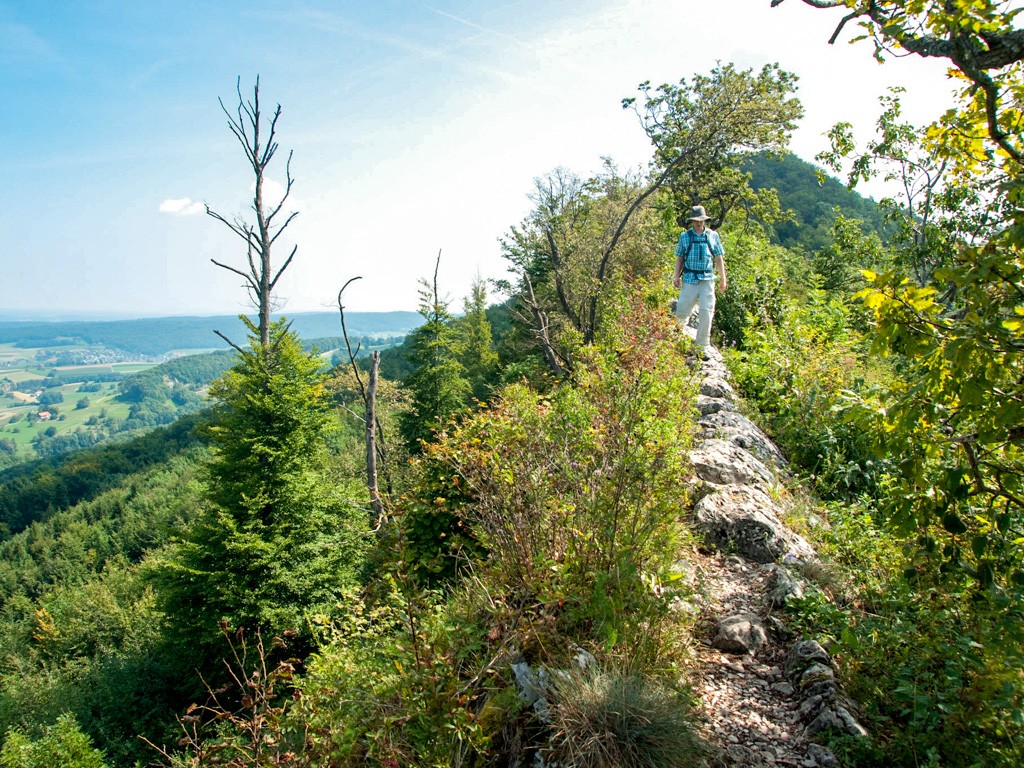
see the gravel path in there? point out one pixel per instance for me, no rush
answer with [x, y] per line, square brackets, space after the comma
[749, 710]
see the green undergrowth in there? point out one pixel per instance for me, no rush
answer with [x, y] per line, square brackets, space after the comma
[931, 652]
[543, 528]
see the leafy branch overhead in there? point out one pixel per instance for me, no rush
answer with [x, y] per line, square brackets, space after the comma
[977, 37]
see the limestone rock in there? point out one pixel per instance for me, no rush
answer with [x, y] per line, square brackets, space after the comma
[738, 756]
[835, 718]
[822, 756]
[708, 405]
[815, 674]
[721, 462]
[742, 432]
[743, 519]
[740, 633]
[714, 386]
[802, 656]
[783, 587]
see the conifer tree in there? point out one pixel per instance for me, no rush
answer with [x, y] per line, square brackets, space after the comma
[477, 344]
[437, 384]
[275, 544]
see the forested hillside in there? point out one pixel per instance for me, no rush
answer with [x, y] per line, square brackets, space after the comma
[815, 202]
[505, 550]
[155, 336]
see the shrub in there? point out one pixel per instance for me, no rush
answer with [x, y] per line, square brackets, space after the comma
[795, 373]
[935, 668]
[390, 689]
[575, 494]
[62, 745]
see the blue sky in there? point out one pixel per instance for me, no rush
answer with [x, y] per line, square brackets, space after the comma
[416, 127]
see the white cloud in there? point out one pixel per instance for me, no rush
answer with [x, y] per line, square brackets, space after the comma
[181, 206]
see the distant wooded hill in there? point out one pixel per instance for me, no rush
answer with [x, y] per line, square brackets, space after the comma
[154, 336]
[811, 201]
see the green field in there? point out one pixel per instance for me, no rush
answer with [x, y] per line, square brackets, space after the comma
[27, 427]
[18, 419]
[18, 375]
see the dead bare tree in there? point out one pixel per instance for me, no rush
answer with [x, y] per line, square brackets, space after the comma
[247, 125]
[375, 448]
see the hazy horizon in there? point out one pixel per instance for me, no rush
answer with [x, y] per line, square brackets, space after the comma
[59, 316]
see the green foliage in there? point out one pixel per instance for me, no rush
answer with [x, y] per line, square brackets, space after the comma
[394, 688]
[812, 200]
[476, 345]
[615, 719]
[841, 263]
[574, 495]
[936, 208]
[702, 131]
[276, 541]
[79, 627]
[794, 372]
[437, 384]
[955, 420]
[582, 241]
[757, 276]
[62, 745]
[51, 398]
[35, 490]
[243, 723]
[935, 671]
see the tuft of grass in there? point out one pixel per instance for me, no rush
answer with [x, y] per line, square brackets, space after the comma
[616, 719]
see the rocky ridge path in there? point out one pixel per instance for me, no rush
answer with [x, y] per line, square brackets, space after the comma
[762, 697]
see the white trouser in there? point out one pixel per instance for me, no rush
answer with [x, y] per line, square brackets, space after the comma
[690, 294]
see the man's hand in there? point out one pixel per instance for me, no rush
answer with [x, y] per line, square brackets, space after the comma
[675, 281]
[722, 285]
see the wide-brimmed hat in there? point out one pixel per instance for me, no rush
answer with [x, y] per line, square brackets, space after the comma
[697, 213]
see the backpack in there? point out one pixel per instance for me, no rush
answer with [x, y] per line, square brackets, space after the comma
[706, 240]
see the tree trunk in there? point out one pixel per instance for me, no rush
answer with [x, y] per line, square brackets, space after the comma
[371, 442]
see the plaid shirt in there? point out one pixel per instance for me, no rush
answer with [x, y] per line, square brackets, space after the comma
[698, 265]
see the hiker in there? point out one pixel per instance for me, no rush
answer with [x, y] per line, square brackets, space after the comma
[695, 250]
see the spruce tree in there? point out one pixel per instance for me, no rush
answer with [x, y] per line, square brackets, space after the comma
[477, 346]
[437, 385]
[276, 543]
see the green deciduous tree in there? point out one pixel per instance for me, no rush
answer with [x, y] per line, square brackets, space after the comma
[703, 129]
[978, 37]
[951, 307]
[581, 239]
[62, 745]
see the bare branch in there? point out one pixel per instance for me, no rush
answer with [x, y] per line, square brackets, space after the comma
[235, 227]
[229, 268]
[246, 124]
[287, 191]
[283, 226]
[284, 266]
[835, 35]
[344, 333]
[231, 343]
[542, 329]
[815, 3]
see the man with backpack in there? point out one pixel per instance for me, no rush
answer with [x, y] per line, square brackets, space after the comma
[699, 254]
